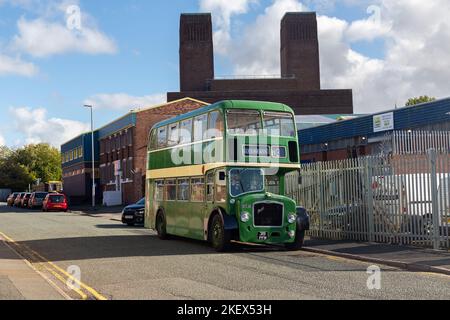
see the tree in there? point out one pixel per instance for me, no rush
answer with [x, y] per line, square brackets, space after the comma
[22, 167]
[418, 100]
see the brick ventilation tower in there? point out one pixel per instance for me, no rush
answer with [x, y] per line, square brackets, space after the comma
[299, 84]
[196, 51]
[300, 49]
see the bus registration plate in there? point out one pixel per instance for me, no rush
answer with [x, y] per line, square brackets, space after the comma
[263, 236]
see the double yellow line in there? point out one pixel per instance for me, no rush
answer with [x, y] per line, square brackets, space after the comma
[42, 264]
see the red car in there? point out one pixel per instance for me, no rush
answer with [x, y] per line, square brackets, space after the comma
[55, 202]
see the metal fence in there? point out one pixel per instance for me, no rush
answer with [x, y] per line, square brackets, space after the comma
[397, 199]
[419, 142]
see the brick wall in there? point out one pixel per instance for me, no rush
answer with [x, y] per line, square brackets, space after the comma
[303, 102]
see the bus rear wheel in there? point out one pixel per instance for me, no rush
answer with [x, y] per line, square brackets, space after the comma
[161, 226]
[219, 237]
[298, 243]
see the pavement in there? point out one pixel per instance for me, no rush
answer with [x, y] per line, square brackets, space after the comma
[404, 257]
[19, 280]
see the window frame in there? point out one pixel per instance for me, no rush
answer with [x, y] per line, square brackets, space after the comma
[166, 191]
[243, 111]
[176, 127]
[188, 192]
[202, 183]
[194, 138]
[160, 144]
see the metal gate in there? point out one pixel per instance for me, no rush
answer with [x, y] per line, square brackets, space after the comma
[397, 199]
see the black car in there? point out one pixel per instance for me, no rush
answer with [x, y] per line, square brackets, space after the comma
[134, 214]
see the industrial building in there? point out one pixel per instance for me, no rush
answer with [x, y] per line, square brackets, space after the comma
[76, 156]
[120, 155]
[299, 85]
[386, 132]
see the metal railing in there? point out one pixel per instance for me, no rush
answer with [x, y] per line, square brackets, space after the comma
[397, 199]
[414, 142]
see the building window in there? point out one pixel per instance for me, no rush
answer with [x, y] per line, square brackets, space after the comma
[171, 190]
[198, 190]
[129, 137]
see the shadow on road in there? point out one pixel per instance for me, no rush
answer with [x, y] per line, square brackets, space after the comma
[83, 248]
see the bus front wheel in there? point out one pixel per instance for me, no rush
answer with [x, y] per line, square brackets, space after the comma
[161, 226]
[298, 243]
[219, 237]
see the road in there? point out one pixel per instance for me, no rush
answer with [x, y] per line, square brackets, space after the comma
[119, 262]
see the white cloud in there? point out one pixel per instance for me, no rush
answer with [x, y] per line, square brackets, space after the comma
[2, 141]
[123, 101]
[257, 51]
[35, 126]
[223, 11]
[42, 38]
[417, 44]
[15, 66]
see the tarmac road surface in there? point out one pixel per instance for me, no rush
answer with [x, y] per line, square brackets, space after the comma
[119, 262]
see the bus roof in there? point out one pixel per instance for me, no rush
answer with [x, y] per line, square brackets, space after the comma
[229, 104]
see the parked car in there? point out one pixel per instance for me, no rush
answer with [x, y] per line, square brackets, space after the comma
[134, 214]
[12, 197]
[25, 199]
[55, 202]
[18, 200]
[36, 200]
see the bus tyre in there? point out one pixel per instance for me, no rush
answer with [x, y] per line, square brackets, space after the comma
[161, 226]
[219, 237]
[298, 243]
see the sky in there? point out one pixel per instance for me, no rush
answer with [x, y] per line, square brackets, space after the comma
[57, 55]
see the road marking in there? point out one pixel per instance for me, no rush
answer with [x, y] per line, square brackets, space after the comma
[37, 261]
[55, 286]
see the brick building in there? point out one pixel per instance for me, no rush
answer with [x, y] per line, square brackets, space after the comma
[76, 159]
[123, 147]
[299, 84]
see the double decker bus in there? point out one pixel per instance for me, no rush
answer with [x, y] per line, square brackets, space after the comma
[218, 174]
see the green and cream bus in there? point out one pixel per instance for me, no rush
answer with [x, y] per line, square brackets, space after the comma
[218, 174]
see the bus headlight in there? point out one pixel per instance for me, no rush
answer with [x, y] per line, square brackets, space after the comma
[292, 218]
[291, 234]
[245, 217]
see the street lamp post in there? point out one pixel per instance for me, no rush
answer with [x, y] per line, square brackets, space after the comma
[92, 154]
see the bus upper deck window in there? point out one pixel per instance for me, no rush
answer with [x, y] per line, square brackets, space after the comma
[243, 122]
[174, 135]
[215, 125]
[162, 137]
[200, 127]
[279, 124]
[186, 131]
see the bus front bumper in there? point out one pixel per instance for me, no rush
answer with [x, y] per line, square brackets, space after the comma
[269, 235]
